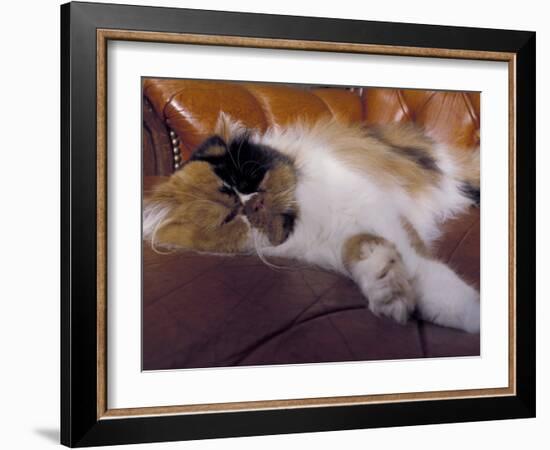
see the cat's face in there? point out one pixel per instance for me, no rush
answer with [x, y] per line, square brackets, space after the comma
[230, 193]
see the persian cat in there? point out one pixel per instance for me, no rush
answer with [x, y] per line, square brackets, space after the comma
[364, 202]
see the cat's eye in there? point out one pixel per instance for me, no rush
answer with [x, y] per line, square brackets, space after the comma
[226, 189]
[231, 216]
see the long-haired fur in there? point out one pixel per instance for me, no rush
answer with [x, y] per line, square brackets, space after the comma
[307, 190]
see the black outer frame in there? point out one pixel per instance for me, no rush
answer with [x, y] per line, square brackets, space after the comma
[79, 423]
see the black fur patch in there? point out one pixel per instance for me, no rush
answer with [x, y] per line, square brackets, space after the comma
[234, 212]
[418, 156]
[472, 192]
[244, 164]
[415, 154]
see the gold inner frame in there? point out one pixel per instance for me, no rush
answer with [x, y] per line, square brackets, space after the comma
[103, 36]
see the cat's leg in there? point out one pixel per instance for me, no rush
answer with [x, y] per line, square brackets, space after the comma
[377, 267]
[395, 286]
[444, 298]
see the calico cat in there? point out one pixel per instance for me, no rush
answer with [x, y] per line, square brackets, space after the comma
[364, 202]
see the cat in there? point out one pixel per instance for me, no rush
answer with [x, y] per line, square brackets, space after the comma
[366, 202]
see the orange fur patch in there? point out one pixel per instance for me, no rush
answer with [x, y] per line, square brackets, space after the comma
[214, 150]
[351, 250]
[394, 154]
[416, 241]
[198, 211]
[277, 194]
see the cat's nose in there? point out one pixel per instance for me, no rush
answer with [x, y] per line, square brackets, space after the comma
[254, 204]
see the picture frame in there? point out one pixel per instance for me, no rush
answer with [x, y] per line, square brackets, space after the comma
[86, 418]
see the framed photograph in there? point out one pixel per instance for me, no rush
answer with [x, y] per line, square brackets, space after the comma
[278, 224]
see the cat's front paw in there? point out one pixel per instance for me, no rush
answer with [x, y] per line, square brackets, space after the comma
[383, 279]
[390, 294]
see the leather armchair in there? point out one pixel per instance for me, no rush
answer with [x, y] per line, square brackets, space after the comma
[205, 311]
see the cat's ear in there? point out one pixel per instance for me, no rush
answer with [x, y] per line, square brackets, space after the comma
[228, 128]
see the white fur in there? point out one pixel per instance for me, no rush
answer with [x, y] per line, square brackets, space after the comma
[154, 214]
[445, 299]
[336, 203]
[390, 294]
[244, 197]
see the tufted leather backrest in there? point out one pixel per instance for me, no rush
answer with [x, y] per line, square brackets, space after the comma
[189, 108]
[451, 118]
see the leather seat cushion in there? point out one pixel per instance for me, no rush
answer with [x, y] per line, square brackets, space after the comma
[207, 311]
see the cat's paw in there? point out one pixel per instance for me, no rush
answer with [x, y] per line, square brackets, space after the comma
[382, 276]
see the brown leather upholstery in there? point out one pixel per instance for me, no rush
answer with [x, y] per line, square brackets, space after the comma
[202, 311]
[191, 107]
[449, 117]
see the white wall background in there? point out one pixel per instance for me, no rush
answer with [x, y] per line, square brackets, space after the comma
[29, 229]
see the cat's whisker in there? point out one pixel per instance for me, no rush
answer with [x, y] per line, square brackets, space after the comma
[282, 193]
[252, 162]
[235, 163]
[239, 155]
[154, 241]
[260, 166]
[261, 256]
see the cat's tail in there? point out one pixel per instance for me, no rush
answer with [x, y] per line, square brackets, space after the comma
[468, 163]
